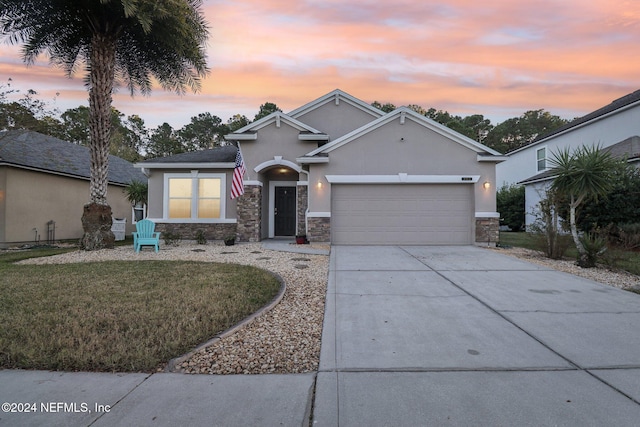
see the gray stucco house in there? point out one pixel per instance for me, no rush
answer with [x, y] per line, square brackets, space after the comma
[335, 169]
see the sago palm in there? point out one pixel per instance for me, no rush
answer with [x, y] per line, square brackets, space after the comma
[131, 41]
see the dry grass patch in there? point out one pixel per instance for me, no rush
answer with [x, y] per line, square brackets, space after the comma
[121, 315]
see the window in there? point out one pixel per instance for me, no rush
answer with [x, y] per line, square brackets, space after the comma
[195, 196]
[541, 158]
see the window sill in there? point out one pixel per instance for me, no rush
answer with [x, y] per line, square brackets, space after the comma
[194, 220]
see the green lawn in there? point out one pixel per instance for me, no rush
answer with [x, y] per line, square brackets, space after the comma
[126, 316]
[616, 258]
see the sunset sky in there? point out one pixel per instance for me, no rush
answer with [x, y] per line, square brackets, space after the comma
[498, 58]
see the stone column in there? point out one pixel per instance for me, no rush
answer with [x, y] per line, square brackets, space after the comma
[487, 231]
[303, 197]
[248, 209]
[319, 229]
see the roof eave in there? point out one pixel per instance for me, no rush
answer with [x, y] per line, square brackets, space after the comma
[491, 158]
[545, 139]
[313, 137]
[186, 165]
[241, 137]
[311, 160]
[58, 173]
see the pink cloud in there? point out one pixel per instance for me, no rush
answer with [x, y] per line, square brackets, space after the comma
[498, 58]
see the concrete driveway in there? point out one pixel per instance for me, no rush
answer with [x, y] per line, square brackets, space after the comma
[467, 336]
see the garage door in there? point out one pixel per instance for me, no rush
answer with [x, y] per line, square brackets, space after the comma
[410, 214]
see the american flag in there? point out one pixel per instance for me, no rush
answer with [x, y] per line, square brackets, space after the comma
[237, 184]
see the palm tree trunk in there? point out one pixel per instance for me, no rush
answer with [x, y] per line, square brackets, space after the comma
[96, 219]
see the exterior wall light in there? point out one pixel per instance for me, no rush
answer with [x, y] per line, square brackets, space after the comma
[486, 185]
[319, 185]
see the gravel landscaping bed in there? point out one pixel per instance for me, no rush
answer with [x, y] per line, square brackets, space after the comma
[618, 279]
[285, 339]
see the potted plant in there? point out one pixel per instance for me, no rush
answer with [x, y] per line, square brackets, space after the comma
[301, 239]
[136, 193]
[230, 240]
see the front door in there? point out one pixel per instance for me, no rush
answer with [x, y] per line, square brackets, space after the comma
[284, 214]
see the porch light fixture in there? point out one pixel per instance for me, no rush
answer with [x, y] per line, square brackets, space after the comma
[486, 185]
[319, 185]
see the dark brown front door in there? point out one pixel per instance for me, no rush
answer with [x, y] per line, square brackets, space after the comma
[285, 211]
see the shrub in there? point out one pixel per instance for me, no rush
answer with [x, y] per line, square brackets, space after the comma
[200, 238]
[546, 227]
[171, 237]
[595, 245]
[620, 206]
[629, 236]
[510, 204]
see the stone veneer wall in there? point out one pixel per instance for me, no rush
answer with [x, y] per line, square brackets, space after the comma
[187, 231]
[303, 198]
[319, 229]
[249, 214]
[487, 231]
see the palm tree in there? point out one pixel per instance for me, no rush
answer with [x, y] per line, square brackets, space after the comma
[131, 41]
[585, 173]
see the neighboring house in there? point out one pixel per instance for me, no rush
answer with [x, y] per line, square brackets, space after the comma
[616, 124]
[335, 169]
[44, 184]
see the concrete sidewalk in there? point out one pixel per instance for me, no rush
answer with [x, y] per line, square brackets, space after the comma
[413, 336]
[465, 336]
[96, 399]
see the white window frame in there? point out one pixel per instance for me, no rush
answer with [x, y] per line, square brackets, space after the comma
[195, 175]
[544, 159]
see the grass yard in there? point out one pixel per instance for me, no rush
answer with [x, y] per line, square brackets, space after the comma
[616, 258]
[119, 316]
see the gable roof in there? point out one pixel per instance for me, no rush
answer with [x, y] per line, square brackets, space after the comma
[402, 114]
[628, 101]
[43, 153]
[337, 96]
[249, 131]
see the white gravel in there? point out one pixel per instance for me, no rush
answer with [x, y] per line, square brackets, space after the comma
[618, 279]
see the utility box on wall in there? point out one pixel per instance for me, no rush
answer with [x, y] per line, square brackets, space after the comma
[118, 228]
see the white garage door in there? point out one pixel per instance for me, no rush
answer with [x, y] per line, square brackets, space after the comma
[410, 214]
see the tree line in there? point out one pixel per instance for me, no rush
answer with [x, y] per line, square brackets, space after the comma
[132, 140]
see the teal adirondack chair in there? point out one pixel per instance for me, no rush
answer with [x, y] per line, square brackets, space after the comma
[146, 236]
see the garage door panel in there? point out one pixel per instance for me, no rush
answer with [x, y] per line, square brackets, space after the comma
[402, 214]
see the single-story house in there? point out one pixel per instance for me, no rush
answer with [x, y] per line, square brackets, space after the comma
[335, 169]
[614, 124]
[44, 184]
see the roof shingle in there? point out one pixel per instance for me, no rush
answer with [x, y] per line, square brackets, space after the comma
[45, 153]
[224, 154]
